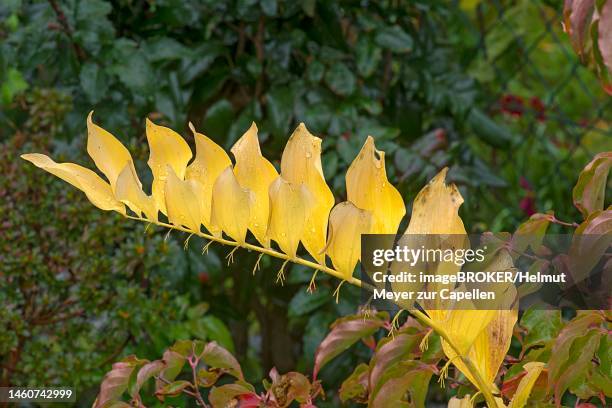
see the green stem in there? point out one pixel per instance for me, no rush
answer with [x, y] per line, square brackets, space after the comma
[480, 382]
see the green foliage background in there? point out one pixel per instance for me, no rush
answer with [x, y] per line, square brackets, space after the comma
[430, 80]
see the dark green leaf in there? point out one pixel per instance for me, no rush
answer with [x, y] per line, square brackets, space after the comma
[394, 38]
[218, 119]
[368, 56]
[315, 71]
[269, 7]
[280, 110]
[340, 79]
[136, 73]
[304, 303]
[12, 85]
[488, 130]
[94, 82]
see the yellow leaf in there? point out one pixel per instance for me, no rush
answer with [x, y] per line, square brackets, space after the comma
[301, 163]
[436, 209]
[167, 150]
[368, 188]
[464, 326]
[255, 172]
[231, 206]
[290, 204]
[346, 224]
[183, 201]
[209, 162]
[523, 391]
[464, 402]
[492, 344]
[435, 224]
[97, 190]
[128, 190]
[107, 152]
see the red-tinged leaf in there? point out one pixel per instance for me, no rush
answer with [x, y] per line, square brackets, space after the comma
[355, 387]
[573, 350]
[605, 34]
[585, 405]
[173, 389]
[578, 14]
[344, 333]
[225, 395]
[590, 189]
[217, 357]
[541, 325]
[289, 387]
[598, 223]
[590, 242]
[174, 359]
[145, 373]
[404, 376]
[116, 404]
[299, 387]
[577, 327]
[207, 378]
[115, 382]
[581, 353]
[531, 232]
[249, 401]
[401, 346]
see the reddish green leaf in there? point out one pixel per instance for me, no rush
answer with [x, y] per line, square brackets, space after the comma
[174, 359]
[289, 387]
[531, 232]
[355, 387]
[146, 372]
[605, 34]
[578, 15]
[216, 356]
[403, 377]
[344, 333]
[570, 354]
[590, 242]
[541, 325]
[116, 380]
[207, 378]
[399, 347]
[223, 396]
[579, 362]
[590, 189]
[116, 404]
[173, 389]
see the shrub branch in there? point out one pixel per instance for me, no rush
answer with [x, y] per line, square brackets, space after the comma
[481, 383]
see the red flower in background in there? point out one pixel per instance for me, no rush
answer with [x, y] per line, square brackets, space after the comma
[527, 203]
[512, 105]
[539, 109]
[515, 106]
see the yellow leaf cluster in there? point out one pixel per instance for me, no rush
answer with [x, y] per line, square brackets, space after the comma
[291, 208]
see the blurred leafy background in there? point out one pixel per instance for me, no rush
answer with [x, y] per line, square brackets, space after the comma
[491, 89]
